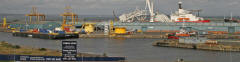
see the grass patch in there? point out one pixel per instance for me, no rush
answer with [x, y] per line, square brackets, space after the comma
[6, 49]
[6, 61]
[5, 44]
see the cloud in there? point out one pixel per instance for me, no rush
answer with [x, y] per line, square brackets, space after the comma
[105, 7]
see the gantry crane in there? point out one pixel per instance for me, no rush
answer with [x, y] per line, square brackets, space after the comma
[34, 13]
[111, 27]
[115, 17]
[4, 22]
[69, 14]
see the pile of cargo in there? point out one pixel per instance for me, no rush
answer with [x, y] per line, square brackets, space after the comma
[56, 33]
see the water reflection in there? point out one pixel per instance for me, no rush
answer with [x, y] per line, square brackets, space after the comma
[136, 50]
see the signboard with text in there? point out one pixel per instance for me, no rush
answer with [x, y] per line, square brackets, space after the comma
[69, 50]
[69, 53]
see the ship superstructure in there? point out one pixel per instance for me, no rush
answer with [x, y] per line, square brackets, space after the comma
[183, 15]
[148, 15]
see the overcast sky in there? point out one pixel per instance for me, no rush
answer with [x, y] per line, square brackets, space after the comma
[105, 7]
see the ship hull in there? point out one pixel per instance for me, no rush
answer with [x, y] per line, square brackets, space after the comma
[199, 21]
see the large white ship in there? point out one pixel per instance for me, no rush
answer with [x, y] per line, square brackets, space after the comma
[185, 16]
[150, 16]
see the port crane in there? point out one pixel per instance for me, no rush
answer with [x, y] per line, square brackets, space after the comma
[34, 13]
[66, 15]
[4, 25]
[115, 17]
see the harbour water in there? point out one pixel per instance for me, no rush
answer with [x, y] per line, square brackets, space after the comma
[135, 50]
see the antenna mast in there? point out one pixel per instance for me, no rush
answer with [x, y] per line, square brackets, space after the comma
[180, 4]
[231, 16]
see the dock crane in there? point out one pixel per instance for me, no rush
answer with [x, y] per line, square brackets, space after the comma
[115, 30]
[34, 13]
[4, 22]
[115, 17]
[68, 13]
[111, 26]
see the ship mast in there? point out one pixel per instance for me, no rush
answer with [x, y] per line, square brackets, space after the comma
[180, 4]
[180, 7]
[224, 16]
[231, 16]
[179, 11]
[150, 7]
[183, 19]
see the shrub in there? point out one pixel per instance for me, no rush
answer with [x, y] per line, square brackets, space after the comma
[5, 44]
[42, 49]
[16, 46]
[104, 54]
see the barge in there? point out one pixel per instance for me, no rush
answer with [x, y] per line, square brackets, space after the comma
[208, 45]
[45, 36]
[186, 39]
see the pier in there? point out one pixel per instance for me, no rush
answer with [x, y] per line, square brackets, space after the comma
[121, 36]
[200, 46]
[45, 36]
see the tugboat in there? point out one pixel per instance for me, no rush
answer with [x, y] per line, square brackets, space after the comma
[185, 14]
[183, 32]
[231, 20]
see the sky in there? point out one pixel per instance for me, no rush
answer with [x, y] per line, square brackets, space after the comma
[105, 7]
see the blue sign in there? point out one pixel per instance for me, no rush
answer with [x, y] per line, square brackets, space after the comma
[55, 58]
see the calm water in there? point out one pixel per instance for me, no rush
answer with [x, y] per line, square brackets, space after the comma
[136, 50]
